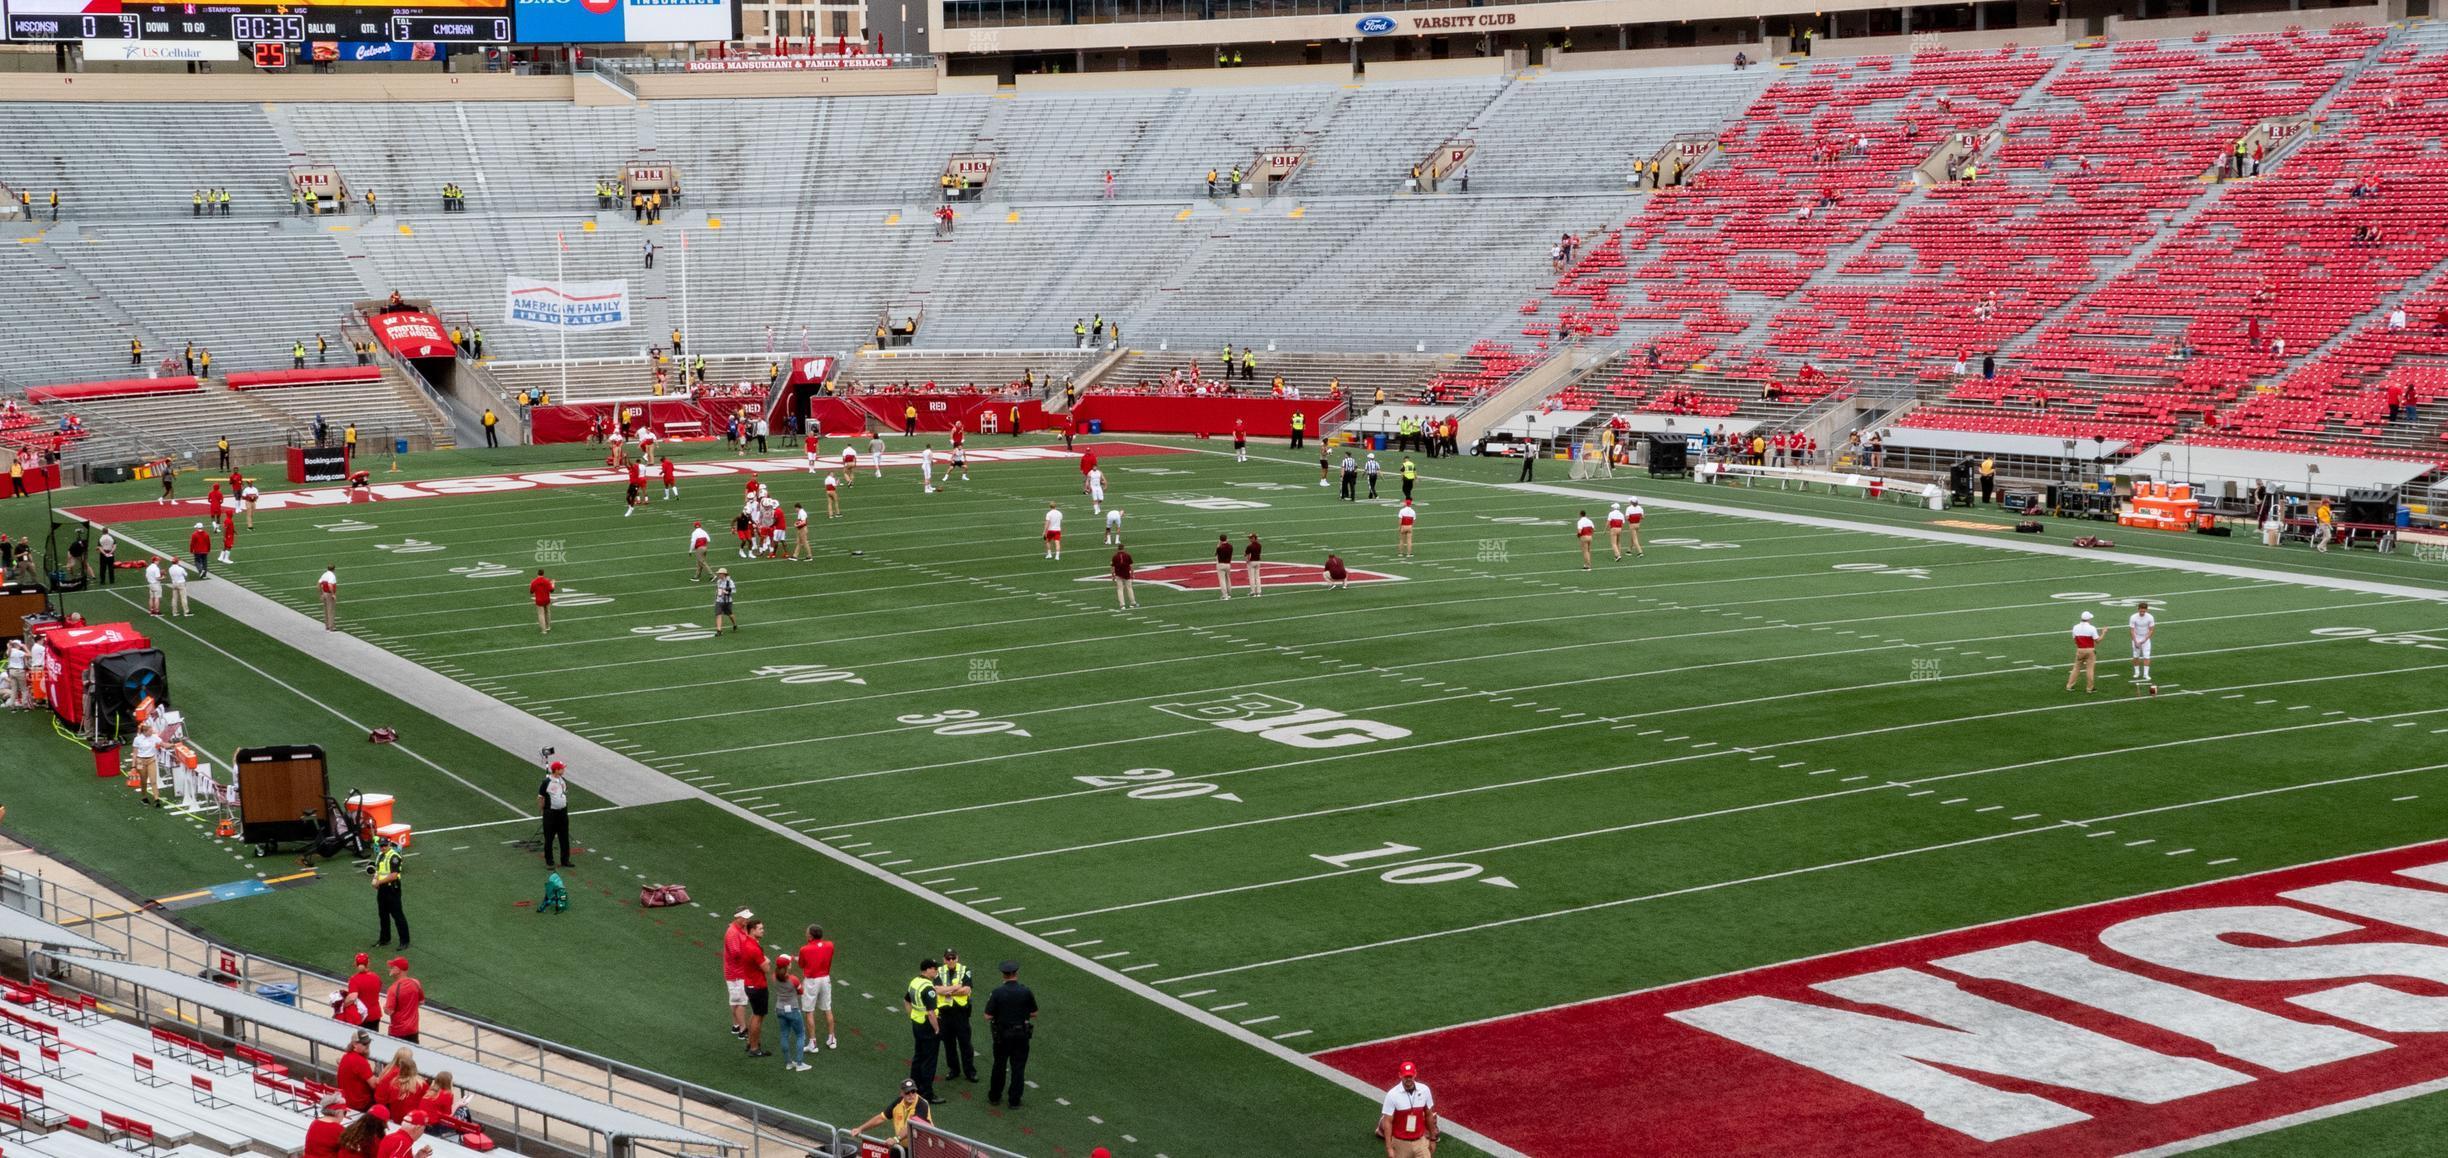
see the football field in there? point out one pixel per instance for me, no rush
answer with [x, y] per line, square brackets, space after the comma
[1471, 785]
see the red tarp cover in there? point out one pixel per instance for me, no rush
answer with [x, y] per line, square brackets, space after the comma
[73, 649]
[264, 379]
[116, 388]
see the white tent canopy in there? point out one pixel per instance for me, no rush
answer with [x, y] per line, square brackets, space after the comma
[2206, 466]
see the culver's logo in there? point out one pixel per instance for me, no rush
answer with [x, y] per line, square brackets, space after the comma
[370, 52]
[1375, 25]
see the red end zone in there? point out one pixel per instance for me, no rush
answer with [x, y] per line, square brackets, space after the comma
[687, 467]
[2097, 1030]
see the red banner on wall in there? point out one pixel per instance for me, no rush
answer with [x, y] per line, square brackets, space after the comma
[412, 334]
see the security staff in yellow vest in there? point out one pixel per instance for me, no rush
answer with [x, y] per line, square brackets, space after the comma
[926, 1028]
[1410, 474]
[1299, 421]
[952, 1008]
[297, 355]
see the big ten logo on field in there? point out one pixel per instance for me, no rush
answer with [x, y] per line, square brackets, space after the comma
[1284, 721]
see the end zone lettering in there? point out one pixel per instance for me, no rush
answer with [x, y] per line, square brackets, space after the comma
[2202, 1011]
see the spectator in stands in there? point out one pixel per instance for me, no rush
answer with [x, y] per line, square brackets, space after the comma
[649, 253]
[323, 1134]
[441, 1098]
[908, 1106]
[360, 1002]
[1742, 61]
[406, 1001]
[55, 205]
[399, 1089]
[364, 1134]
[402, 1143]
[355, 1074]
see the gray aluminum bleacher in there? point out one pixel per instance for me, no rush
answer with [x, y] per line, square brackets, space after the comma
[391, 405]
[1059, 148]
[1567, 131]
[65, 334]
[127, 161]
[1368, 140]
[953, 369]
[178, 278]
[460, 261]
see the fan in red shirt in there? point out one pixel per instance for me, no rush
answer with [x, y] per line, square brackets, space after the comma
[402, 1143]
[406, 998]
[356, 1073]
[400, 1088]
[323, 1134]
[542, 589]
[361, 1002]
[737, 947]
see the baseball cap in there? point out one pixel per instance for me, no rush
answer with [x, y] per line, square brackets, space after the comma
[419, 1118]
[2086, 617]
[951, 953]
[1410, 1070]
[1100, 1152]
[379, 1112]
[909, 1085]
[743, 915]
[399, 962]
[362, 958]
[1009, 966]
[558, 766]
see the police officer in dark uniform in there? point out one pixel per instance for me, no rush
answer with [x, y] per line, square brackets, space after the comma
[926, 1028]
[1011, 1018]
[952, 1007]
[387, 865]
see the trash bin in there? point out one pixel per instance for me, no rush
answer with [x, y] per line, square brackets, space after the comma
[1377, 441]
[399, 446]
[106, 763]
[1096, 426]
[278, 994]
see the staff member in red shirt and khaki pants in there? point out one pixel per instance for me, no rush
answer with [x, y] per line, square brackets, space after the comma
[1408, 1119]
[542, 589]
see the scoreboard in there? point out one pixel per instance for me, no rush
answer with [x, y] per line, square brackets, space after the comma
[40, 20]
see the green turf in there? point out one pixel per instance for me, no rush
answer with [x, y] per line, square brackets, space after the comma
[1760, 741]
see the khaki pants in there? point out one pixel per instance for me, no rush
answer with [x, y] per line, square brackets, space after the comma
[178, 600]
[17, 689]
[1413, 1148]
[1122, 592]
[148, 775]
[1224, 579]
[331, 611]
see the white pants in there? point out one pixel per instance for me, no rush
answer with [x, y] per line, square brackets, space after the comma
[2142, 652]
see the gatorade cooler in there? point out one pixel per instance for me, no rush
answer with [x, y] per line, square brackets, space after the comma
[398, 834]
[375, 807]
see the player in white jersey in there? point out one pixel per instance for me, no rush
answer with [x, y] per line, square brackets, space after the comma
[2144, 627]
[960, 462]
[1633, 514]
[1403, 519]
[1615, 529]
[1053, 531]
[1583, 531]
[1096, 489]
[2086, 654]
[926, 470]
[875, 454]
[1113, 527]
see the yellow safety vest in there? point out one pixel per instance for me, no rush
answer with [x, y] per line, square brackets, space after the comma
[1297, 420]
[916, 999]
[953, 976]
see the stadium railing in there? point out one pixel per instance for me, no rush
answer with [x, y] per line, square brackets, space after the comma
[145, 936]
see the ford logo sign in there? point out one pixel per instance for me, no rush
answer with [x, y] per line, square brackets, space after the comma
[1375, 25]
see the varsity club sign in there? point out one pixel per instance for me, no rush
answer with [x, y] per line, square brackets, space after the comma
[1202, 576]
[2217, 1009]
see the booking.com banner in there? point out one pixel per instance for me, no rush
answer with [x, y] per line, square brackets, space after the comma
[569, 306]
[622, 21]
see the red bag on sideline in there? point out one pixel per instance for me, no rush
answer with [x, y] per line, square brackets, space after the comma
[662, 896]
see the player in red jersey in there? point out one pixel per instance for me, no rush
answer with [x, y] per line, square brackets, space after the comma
[811, 452]
[671, 479]
[229, 536]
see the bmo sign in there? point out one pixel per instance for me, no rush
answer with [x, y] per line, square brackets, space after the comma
[622, 21]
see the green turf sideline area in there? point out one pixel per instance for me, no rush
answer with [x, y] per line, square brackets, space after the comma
[1512, 783]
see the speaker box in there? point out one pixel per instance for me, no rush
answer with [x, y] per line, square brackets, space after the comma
[1668, 455]
[110, 474]
[283, 794]
[18, 603]
[116, 683]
